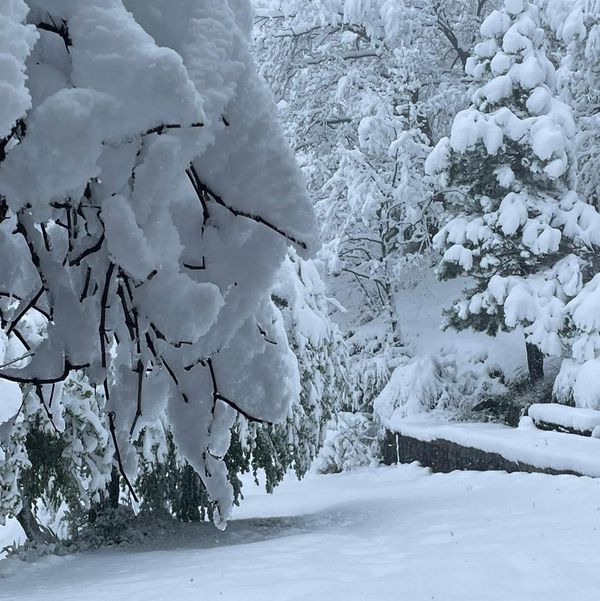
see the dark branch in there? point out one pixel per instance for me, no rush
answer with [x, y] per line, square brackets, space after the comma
[102, 325]
[201, 267]
[87, 252]
[40, 394]
[161, 129]
[249, 417]
[40, 310]
[111, 422]
[217, 396]
[204, 193]
[22, 339]
[264, 334]
[24, 311]
[140, 384]
[40, 380]
[62, 30]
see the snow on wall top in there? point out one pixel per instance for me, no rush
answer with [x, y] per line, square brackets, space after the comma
[582, 420]
[525, 444]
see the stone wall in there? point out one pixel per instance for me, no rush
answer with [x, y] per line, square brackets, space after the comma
[445, 456]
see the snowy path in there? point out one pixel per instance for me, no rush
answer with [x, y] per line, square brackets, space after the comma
[391, 533]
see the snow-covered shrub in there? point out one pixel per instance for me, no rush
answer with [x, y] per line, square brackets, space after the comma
[145, 218]
[111, 526]
[418, 386]
[13, 456]
[13, 461]
[453, 383]
[322, 359]
[169, 488]
[372, 359]
[351, 442]
[578, 382]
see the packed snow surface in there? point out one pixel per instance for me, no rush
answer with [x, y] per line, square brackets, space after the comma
[384, 534]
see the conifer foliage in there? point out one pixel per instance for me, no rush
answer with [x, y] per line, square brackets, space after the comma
[506, 172]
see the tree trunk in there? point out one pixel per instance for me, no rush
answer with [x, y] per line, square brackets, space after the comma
[34, 532]
[535, 362]
[114, 489]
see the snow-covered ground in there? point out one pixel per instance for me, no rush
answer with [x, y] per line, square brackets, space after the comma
[420, 308]
[396, 533]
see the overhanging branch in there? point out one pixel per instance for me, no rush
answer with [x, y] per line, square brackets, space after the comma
[205, 193]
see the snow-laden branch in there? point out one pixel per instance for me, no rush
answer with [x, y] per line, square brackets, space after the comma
[119, 279]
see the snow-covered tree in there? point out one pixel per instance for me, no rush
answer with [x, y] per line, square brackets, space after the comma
[167, 483]
[322, 358]
[145, 217]
[13, 456]
[70, 454]
[575, 27]
[365, 88]
[507, 175]
[578, 382]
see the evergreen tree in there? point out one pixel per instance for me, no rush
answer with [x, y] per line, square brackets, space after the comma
[578, 382]
[507, 176]
[575, 29]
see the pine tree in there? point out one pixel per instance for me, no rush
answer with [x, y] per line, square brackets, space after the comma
[507, 176]
[575, 29]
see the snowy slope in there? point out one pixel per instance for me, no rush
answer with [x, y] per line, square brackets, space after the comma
[395, 533]
[420, 310]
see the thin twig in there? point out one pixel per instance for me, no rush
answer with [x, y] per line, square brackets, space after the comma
[113, 433]
[204, 192]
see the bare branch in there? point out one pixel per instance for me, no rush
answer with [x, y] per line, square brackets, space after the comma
[113, 433]
[205, 193]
